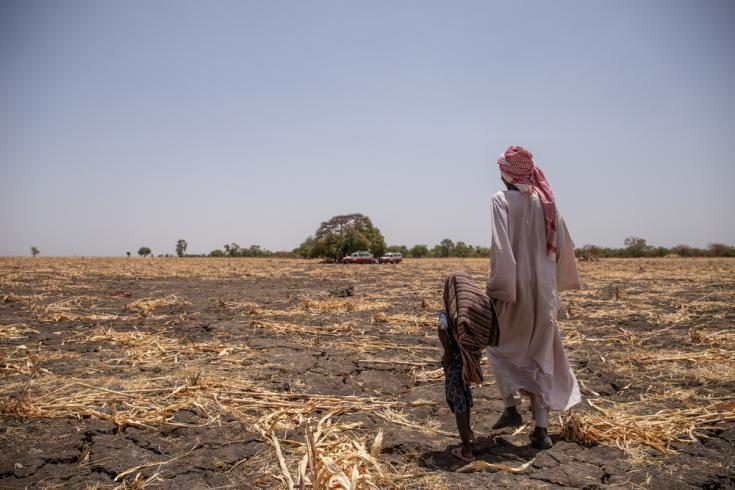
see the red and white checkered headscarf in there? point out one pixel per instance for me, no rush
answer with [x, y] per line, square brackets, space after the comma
[517, 167]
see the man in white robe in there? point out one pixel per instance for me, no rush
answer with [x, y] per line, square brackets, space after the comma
[532, 260]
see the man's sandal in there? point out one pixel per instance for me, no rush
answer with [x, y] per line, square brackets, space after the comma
[514, 420]
[540, 441]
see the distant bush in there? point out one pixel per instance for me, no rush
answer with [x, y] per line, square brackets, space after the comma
[144, 251]
[419, 251]
[720, 250]
[636, 247]
[234, 250]
[401, 249]
[482, 251]
[687, 251]
[462, 250]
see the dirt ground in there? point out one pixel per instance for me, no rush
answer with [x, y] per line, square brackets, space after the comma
[198, 373]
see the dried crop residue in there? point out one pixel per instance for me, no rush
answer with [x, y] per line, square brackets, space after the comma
[189, 373]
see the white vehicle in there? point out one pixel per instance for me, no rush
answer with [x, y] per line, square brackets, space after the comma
[360, 257]
[391, 258]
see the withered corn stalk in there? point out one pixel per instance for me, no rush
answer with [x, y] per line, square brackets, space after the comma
[622, 427]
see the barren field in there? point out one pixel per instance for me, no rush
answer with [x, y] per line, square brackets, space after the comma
[260, 373]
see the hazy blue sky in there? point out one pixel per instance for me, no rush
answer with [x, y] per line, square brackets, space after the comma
[138, 123]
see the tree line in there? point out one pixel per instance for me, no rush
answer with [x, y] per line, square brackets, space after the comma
[344, 234]
[235, 250]
[336, 238]
[637, 247]
[634, 247]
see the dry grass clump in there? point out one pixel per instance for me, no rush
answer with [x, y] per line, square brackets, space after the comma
[145, 306]
[22, 360]
[15, 331]
[713, 366]
[433, 306]
[427, 375]
[367, 344]
[284, 328]
[709, 355]
[341, 304]
[351, 337]
[59, 316]
[334, 455]
[624, 426]
[122, 408]
[158, 348]
[571, 334]
[722, 338]
[17, 298]
[73, 309]
[248, 306]
[407, 323]
[67, 310]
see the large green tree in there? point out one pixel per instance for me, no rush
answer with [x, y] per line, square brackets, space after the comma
[144, 251]
[343, 235]
[181, 247]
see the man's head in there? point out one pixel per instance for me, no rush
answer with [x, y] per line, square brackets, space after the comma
[519, 171]
[517, 167]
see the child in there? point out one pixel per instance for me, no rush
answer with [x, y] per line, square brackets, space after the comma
[458, 394]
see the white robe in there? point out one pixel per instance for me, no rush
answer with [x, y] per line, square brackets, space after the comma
[525, 282]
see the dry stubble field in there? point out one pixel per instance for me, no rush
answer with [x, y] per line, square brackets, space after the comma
[252, 373]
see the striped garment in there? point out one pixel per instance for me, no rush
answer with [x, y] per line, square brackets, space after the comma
[472, 321]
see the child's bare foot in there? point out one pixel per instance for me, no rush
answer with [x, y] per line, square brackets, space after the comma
[458, 452]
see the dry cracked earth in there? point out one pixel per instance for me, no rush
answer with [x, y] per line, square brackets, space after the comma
[90, 377]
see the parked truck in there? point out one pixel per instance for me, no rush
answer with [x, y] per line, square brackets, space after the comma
[360, 257]
[391, 258]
